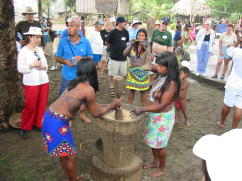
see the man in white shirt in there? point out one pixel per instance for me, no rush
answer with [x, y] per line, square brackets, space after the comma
[96, 41]
[233, 88]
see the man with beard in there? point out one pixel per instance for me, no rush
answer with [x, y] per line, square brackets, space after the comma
[71, 50]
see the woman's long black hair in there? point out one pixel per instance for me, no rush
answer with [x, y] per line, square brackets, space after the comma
[73, 83]
[169, 60]
[86, 72]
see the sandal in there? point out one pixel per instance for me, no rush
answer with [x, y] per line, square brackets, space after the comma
[101, 76]
[111, 90]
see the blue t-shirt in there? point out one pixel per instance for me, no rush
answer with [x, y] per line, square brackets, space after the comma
[65, 33]
[177, 36]
[132, 33]
[67, 50]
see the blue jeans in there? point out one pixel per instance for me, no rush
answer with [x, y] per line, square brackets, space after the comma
[63, 86]
[202, 58]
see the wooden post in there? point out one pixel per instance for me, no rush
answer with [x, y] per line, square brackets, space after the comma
[118, 84]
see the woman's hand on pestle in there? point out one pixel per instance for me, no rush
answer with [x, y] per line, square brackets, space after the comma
[136, 112]
[116, 103]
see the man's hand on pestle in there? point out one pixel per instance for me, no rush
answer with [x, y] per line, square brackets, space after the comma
[136, 112]
[117, 104]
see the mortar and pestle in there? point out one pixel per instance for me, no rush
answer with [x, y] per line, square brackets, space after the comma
[118, 131]
[118, 84]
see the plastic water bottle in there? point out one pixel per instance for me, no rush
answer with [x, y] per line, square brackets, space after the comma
[73, 60]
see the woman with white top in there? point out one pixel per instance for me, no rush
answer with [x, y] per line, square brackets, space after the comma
[227, 39]
[96, 42]
[204, 39]
[33, 65]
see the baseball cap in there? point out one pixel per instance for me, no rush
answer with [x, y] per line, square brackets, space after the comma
[135, 22]
[98, 22]
[120, 19]
[112, 19]
[165, 19]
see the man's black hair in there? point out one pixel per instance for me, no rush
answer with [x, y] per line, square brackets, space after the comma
[185, 70]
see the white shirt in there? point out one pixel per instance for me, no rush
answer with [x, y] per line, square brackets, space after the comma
[32, 77]
[96, 41]
[234, 82]
[200, 39]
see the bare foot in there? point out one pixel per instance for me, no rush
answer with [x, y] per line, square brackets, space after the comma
[85, 119]
[151, 165]
[157, 173]
[187, 124]
[220, 124]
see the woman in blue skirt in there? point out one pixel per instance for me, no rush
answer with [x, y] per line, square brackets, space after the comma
[55, 129]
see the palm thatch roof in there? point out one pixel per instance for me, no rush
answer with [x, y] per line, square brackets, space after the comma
[191, 7]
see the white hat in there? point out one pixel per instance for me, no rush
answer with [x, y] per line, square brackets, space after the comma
[187, 64]
[112, 19]
[28, 10]
[136, 22]
[34, 31]
[157, 22]
[222, 155]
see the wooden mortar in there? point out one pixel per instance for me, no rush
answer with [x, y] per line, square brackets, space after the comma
[118, 84]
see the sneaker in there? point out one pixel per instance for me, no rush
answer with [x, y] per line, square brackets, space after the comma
[52, 68]
[222, 77]
[215, 76]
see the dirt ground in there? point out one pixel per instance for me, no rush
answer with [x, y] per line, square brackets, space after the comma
[25, 160]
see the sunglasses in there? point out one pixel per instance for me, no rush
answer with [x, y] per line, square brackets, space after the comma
[165, 23]
[37, 55]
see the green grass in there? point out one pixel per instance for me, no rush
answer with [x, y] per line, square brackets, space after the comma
[17, 171]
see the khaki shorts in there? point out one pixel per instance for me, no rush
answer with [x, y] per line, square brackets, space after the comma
[117, 68]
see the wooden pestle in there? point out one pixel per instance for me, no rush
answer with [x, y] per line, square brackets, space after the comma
[118, 84]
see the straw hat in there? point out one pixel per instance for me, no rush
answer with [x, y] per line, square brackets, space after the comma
[28, 10]
[34, 31]
[15, 120]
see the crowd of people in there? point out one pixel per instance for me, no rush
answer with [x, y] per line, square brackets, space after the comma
[157, 69]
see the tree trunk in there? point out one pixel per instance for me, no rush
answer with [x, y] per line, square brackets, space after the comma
[150, 27]
[40, 11]
[11, 94]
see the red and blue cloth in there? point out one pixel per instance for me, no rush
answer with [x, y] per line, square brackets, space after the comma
[57, 135]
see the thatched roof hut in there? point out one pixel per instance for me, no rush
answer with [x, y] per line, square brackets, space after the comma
[103, 6]
[191, 8]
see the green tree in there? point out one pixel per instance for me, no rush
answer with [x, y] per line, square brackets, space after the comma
[71, 4]
[153, 8]
[225, 6]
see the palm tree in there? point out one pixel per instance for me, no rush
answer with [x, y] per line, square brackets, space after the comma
[11, 97]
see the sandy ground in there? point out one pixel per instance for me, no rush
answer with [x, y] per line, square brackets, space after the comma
[25, 160]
